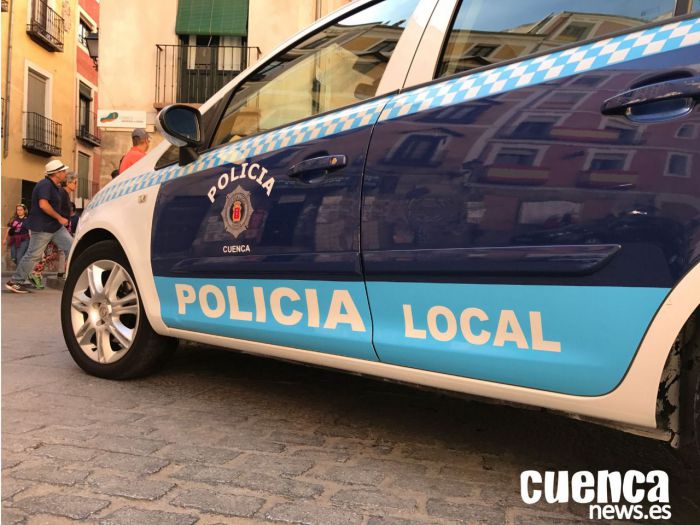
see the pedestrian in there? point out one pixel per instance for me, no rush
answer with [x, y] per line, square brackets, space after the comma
[73, 219]
[140, 142]
[67, 189]
[17, 233]
[45, 224]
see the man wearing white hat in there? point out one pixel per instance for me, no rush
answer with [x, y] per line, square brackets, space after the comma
[46, 224]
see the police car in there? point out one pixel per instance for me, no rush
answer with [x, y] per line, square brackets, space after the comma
[493, 198]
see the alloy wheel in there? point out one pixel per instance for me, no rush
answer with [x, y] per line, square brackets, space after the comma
[105, 311]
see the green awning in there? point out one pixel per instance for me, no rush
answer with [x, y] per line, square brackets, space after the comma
[212, 17]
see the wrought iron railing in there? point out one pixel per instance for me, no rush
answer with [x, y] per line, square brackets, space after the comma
[46, 26]
[41, 135]
[192, 74]
[87, 129]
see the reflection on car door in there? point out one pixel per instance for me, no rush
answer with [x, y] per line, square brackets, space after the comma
[260, 241]
[513, 230]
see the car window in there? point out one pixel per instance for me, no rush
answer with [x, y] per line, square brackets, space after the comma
[335, 67]
[486, 32]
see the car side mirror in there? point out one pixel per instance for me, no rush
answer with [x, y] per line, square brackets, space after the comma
[181, 125]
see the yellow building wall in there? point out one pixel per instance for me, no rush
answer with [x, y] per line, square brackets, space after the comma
[271, 22]
[17, 163]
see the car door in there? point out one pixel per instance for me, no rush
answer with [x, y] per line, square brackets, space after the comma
[523, 220]
[259, 238]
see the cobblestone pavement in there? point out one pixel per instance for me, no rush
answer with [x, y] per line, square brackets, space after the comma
[220, 437]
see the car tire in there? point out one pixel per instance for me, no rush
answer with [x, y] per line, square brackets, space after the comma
[103, 319]
[690, 398]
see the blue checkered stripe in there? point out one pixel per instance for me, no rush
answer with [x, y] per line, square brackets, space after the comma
[545, 68]
[317, 128]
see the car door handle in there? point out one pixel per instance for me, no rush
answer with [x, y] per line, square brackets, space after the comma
[679, 88]
[317, 166]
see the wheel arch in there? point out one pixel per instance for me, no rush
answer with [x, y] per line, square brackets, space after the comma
[90, 238]
[680, 321]
[140, 274]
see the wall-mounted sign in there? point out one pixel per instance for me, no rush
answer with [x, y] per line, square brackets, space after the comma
[116, 118]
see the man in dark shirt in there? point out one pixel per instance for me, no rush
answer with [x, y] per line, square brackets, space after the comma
[46, 224]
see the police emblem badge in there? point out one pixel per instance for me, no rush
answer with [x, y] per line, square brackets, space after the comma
[237, 211]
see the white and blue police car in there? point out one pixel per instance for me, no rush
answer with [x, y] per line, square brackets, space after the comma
[494, 198]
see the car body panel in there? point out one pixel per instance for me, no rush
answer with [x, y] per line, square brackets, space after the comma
[459, 246]
[583, 262]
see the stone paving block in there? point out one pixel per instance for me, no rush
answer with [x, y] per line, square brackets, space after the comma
[67, 452]
[437, 487]
[58, 434]
[255, 481]
[176, 429]
[372, 498]
[452, 457]
[318, 455]
[287, 437]
[130, 487]
[193, 453]
[135, 429]
[21, 427]
[393, 467]
[10, 462]
[285, 466]
[477, 473]
[348, 474]
[12, 517]
[507, 494]
[135, 516]
[130, 463]
[69, 506]
[247, 442]
[206, 474]
[12, 487]
[43, 416]
[468, 512]
[50, 474]
[529, 517]
[100, 415]
[218, 503]
[345, 431]
[389, 520]
[17, 377]
[126, 445]
[312, 514]
[274, 484]
[17, 444]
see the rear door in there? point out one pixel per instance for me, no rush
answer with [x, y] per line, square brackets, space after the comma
[523, 220]
[259, 238]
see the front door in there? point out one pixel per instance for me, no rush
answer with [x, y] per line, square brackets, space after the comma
[516, 227]
[259, 238]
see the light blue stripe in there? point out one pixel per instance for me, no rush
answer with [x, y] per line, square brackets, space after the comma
[598, 328]
[341, 340]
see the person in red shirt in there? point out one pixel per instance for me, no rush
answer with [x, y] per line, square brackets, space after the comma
[140, 141]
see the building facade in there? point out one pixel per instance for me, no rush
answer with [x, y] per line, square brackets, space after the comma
[182, 51]
[49, 88]
[87, 133]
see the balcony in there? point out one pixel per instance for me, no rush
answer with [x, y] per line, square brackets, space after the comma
[87, 129]
[46, 26]
[192, 74]
[42, 135]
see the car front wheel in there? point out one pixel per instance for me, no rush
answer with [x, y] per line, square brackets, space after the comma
[103, 319]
